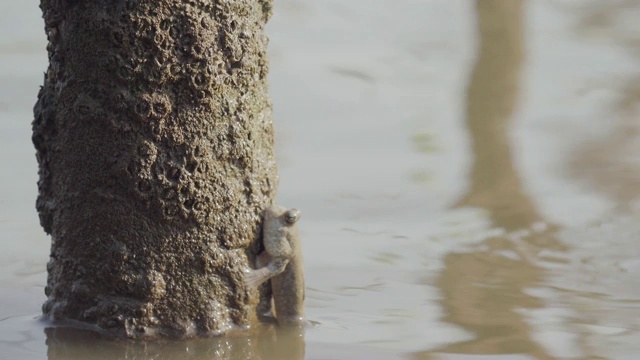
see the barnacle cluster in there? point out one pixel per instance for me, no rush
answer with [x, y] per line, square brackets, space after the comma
[154, 142]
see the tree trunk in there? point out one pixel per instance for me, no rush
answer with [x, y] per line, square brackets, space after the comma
[155, 146]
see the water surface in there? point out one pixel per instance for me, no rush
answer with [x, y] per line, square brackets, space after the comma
[467, 172]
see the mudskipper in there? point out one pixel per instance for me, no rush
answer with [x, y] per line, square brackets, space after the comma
[281, 261]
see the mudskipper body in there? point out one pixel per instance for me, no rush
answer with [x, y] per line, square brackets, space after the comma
[281, 261]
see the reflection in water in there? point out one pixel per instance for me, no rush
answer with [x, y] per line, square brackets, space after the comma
[608, 164]
[271, 344]
[491, 99]
[484, 289]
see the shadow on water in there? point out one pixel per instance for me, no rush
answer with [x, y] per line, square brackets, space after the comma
[271, 344]
[484, 288]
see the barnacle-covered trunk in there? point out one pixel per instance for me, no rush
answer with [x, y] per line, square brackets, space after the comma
[155, 147]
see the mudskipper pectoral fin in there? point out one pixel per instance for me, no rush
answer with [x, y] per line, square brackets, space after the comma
[263, 259]
[253, 278]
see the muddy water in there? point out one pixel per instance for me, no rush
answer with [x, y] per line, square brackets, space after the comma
[467, 171]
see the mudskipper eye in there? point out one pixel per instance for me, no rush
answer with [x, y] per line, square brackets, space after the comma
[291, 216]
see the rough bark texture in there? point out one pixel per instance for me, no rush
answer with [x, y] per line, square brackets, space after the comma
[154, 140]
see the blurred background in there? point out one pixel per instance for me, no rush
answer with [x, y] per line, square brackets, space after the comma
[467, 173]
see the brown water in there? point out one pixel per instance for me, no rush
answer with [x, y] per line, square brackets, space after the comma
[467, 171]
